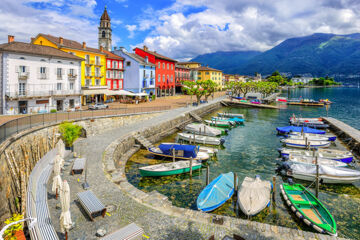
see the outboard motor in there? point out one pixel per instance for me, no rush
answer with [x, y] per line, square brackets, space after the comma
[283, 168]
[290, 181]
[222, 141]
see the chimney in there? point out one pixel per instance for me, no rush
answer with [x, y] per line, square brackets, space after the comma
[115, 48]
[61, 41]
[84, 45]
[11, 38]
[101, 49]
[32, 39]
[145, 48]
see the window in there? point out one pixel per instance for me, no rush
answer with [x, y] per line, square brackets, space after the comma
[87, 71]
[58, 86]
[108, 74]
[71, 86]
[115, 74]
[42, 60]
[72, 103]
[87, 59]
[22, 58]
[103, 34]
[207, 73]
[42, 73]
[120, 65]
[159, 65]
[163, 65]
[172, 67]
[108, 64]
[159, 78]
[144, 73]
[167, 78]
[97, 72]
[59, 73]
[120, 84]
[121, 75]
[97, 60]
[72, 72]
[87, 82]
[168, 66]
[164, 77]
[59, 61]
[22, 69]
[115, 64]
[171, 78]
[97, 82]
[42, 69]
[128, 63]
[22, 89]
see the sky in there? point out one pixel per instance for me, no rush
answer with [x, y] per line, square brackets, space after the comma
[181, 29]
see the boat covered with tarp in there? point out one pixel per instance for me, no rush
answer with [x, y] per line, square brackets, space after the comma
[327, 174]
[338, 155]
[167, 169]
[181, 151]
[202, 129]
[308, 208]
[216, 193]
[289, 129]
[200, 139]
[254, 195]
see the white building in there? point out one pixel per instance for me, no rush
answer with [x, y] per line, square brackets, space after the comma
[38, 79]
[304, 80]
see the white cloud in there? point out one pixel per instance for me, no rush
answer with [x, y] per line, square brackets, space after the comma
[229, 25]
[131, 29]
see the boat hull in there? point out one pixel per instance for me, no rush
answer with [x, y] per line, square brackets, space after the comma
[325, 179]
[305, 146]
[147, 173]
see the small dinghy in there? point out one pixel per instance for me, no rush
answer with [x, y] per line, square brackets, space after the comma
[308, 208]
[216, 193]
[327, 174]
[289, 129]
[312, 160]
[234, 120]
[310, 138]
[167, 169]
[182, 151]
[238, 115]
[254, 195]
[201, 139]
[330, 138]
[202, 129]
[305, 144]
[218, 124]
[338, 155]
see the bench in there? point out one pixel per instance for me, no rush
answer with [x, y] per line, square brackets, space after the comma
[129, 232]
[78, 166]
[91, 204]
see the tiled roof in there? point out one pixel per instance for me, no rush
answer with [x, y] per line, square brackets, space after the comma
[184, 63]
[105, 15]
[112, 55]
[207, 69]
[139, 59]
[28, 48]
[69, 43]
[182, 67]
[158, 55]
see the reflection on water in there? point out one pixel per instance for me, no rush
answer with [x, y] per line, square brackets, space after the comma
[251, 150]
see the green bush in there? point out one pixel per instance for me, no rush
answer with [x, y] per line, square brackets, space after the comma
[53, 110]
[153, 97]
[69, 132]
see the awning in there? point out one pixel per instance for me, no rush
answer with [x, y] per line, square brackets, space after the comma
[119, 92]
[94, 91]
[141, 94]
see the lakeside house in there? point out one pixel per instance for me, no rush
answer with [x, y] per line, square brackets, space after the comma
[207, 73]
[38, 79]
[139, 73]
[304, 80]
[182, 73]
[193, 66]
[114, 71]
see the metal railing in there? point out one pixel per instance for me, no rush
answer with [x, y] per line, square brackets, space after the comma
[20, 124]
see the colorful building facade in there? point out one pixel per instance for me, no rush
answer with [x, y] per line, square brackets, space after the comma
[207, 73]
[114, 71]
[193, 66]
[182, 73]
[165, 71]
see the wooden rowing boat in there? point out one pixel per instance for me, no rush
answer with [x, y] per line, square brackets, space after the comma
[167, 169]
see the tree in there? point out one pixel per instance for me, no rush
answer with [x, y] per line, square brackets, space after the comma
[209, 87]
[188, 88]
[194, 88]
[69, 132]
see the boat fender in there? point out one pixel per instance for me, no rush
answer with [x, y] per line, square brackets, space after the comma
[298, 214]
[307, 222]
[318, 229]
[286, 198]
[288, 203]
[293, 208]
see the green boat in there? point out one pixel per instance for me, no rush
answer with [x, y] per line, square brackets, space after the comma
[218, 124]
[167, 169]
[308, 208]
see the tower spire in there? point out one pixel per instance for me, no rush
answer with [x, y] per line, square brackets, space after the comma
[105, 31]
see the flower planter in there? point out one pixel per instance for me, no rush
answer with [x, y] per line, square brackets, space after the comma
[19, 235]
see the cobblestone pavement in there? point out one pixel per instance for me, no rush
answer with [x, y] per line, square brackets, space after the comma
[157, 225]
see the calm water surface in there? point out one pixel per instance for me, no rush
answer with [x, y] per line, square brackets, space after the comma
[251, 150]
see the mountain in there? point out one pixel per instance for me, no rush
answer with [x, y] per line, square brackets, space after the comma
[226, 61]
[319, 54]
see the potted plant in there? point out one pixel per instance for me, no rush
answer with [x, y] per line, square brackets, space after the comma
[14, 231]
[69, 133]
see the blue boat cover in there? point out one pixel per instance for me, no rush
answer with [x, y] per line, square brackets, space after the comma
[216, 193]
[236, 119]
[189, 150]
[288, 129]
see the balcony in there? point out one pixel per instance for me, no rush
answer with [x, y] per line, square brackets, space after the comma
[40, 93]
[72, 77]
[43, 76]
[98, 75]
[23, 75]
[59, 77]
[98, 63]
[88, 75]
[88, 62]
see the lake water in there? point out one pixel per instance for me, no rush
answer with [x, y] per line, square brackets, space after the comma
[251, 150]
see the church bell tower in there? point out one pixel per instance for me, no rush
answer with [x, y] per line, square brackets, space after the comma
[105, 31]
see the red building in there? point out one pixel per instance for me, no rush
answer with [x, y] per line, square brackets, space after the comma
[182, 73]
[164, 71]
[114, 71]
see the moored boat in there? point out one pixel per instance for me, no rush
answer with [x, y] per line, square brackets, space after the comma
[254, 195]
[330, 138]
[337, 155]
[229, 114]
[182, 151]
[308, 137]
[200, 139]
[308, 208]
[216, 193]
[209, 150]
[167, 169]
[312, 160]
[236, 120]
[289, 129]
[218, 124]
[305, 144]
[202, 129]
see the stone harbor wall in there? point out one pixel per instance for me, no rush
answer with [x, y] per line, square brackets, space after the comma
[20, 153]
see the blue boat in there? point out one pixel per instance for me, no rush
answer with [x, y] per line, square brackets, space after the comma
[216, 193]
[182, 151]
[288, 129]
[237, 120]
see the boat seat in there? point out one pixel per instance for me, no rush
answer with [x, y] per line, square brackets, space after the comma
[310, 213]
[305, 203]
[297, 197]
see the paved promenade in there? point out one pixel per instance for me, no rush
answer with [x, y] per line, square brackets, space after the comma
[156, 224]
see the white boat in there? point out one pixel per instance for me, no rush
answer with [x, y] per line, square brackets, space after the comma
[305, 144]
[310, 138]
[338, 155]
[312, 160]
[225, 114]
[200, 139]
[218, 124]
[328, 136]
[166, 169]
[254, 195]
[202, 129]
[327, 174]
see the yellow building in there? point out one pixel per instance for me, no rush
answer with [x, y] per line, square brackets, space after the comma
[207, 73]
[191, 65]
[93, 70]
